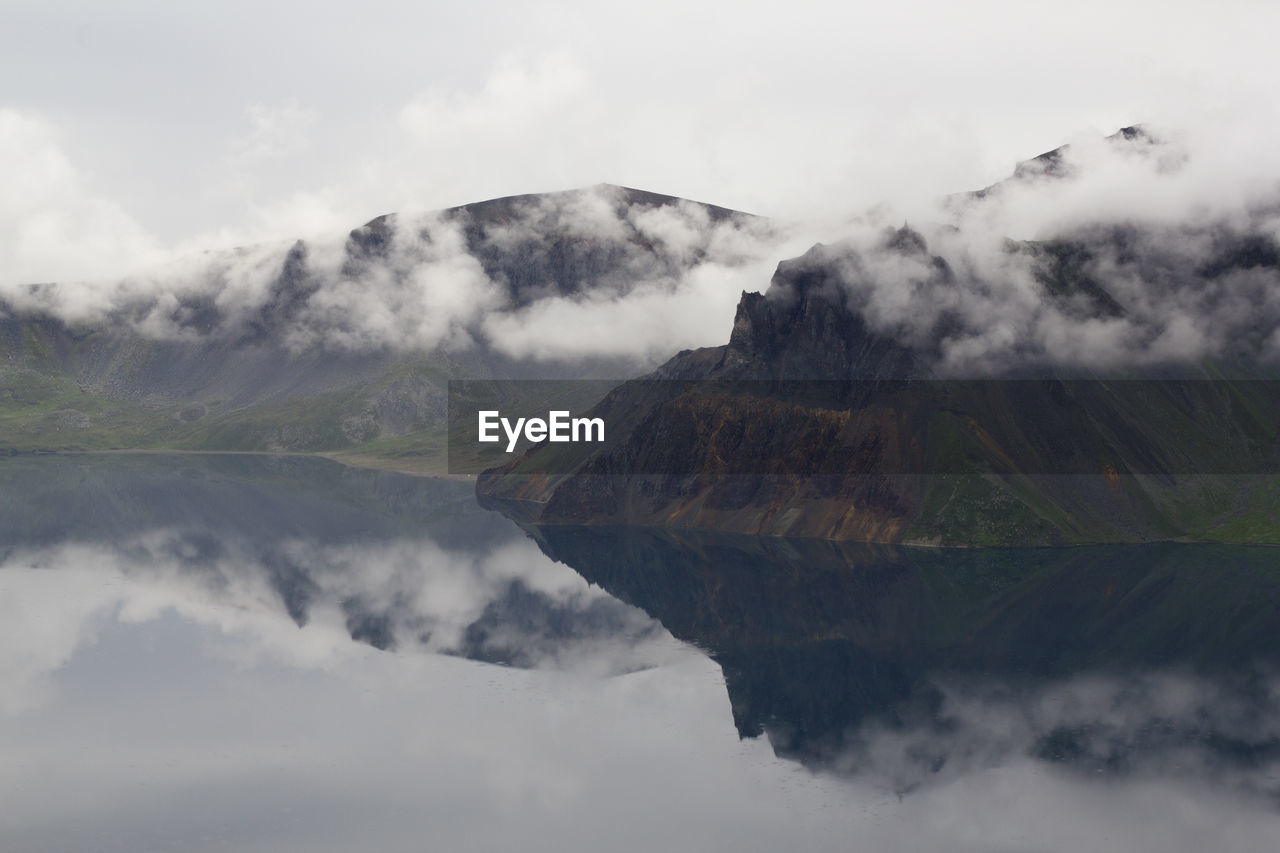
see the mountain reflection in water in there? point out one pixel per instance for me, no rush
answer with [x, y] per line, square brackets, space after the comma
[908, 662]
[188, 645]
[400, 562]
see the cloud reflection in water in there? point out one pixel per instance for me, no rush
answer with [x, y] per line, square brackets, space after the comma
[200, 674]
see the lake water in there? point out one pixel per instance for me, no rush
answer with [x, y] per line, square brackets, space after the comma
[283, 654]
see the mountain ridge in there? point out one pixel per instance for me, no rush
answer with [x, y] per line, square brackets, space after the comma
[1115, 439]
[289, 348]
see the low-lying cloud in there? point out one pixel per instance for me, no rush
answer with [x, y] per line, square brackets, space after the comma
[1146, 249]
[596, 272]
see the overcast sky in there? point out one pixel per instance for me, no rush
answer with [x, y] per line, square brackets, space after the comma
[132, 128]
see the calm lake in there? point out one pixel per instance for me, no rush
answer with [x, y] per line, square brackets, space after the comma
[257, 653]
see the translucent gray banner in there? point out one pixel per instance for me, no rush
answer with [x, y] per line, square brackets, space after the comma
[1161, 428]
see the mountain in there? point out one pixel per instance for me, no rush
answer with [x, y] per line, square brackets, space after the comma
[1054, 165]
[1115, 383]
[340, 346]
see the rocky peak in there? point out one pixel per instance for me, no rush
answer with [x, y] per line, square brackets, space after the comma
[804, 327]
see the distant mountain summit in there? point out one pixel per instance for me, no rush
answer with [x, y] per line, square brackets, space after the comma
[1054, 165]
[347, 345]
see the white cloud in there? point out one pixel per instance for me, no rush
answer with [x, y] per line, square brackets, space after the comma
[53, 226]
[651, 322]
[1153, 219]
[426, 293]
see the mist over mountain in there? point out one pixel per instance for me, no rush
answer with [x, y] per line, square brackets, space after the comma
[1106, 255]
[442, 280]
[1147, 253]
[328, 345]
[1152, 339]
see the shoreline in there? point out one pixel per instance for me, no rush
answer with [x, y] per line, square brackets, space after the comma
[355, 463]
[350, 461]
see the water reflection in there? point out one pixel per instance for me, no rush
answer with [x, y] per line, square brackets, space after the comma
[246, 543]
[913, 664]
[235, 653]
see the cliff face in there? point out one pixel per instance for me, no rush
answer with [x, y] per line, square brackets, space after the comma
[803, 327]
[810, 423]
